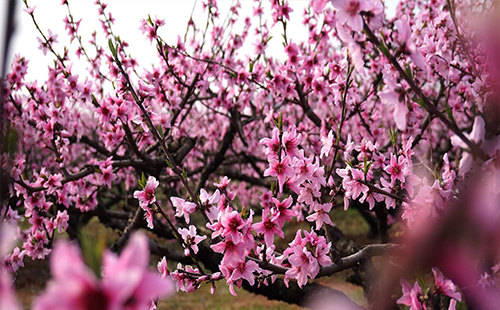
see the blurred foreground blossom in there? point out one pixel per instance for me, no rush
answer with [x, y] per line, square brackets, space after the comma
[126, 284]
[8, 299]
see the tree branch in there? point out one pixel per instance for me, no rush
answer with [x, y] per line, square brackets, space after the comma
[305, 105]
[226, 142]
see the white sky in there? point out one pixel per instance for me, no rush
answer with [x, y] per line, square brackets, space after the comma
[128, 13]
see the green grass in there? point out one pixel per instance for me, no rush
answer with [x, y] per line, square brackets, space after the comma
[350, 223]
[201, 299]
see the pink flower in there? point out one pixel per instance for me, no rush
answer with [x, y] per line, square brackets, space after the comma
[476, 136]
[163, 267]
[183, 208]
[30, 9]
[14, 260]
[244, 270]
[126, 284]
[108, 176]
[322, 252]
[35, 245]
[224, 182]
[149, 30]
[280, 11]
[396, 169]
[149, 217]
[308, 193]
[445, 286]
[45, 45]
[128, 279]
[321, 214]
[268, 227]
[61, 221]
[53, 182]
[485, 280]
[182, 281]
[318, 5]
[281, 170]
[147, 196]
[191, 239]
[370, 198]
[291, 141]
[355, 52]
[282, 212]
[272, 144]
[209, 200]
[8, 298]
[303, 265]
[304, 166]
[394, 95]
[374, 16]
[297, 241]
[407, 45]
[350, 12]
[389, 201]
[233, 226]
[327, 142]
[73, 285]
[411, 295]
[351, 183]
[232, 253]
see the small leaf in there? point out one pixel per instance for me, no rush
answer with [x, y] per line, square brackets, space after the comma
[419, 100]
[421, 281]
[394, 136]
[112, 47]
[233, 74]
[408, 71]
[245, 213]
[169, 164]
[160, 131]
[94, 100]
[142, 181]
[367, 167]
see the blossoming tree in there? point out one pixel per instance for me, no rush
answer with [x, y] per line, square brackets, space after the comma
[226, 150]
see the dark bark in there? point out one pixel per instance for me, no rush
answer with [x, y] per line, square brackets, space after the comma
[383, 226]
[226, 142]
[133, 224]
[365, 273]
